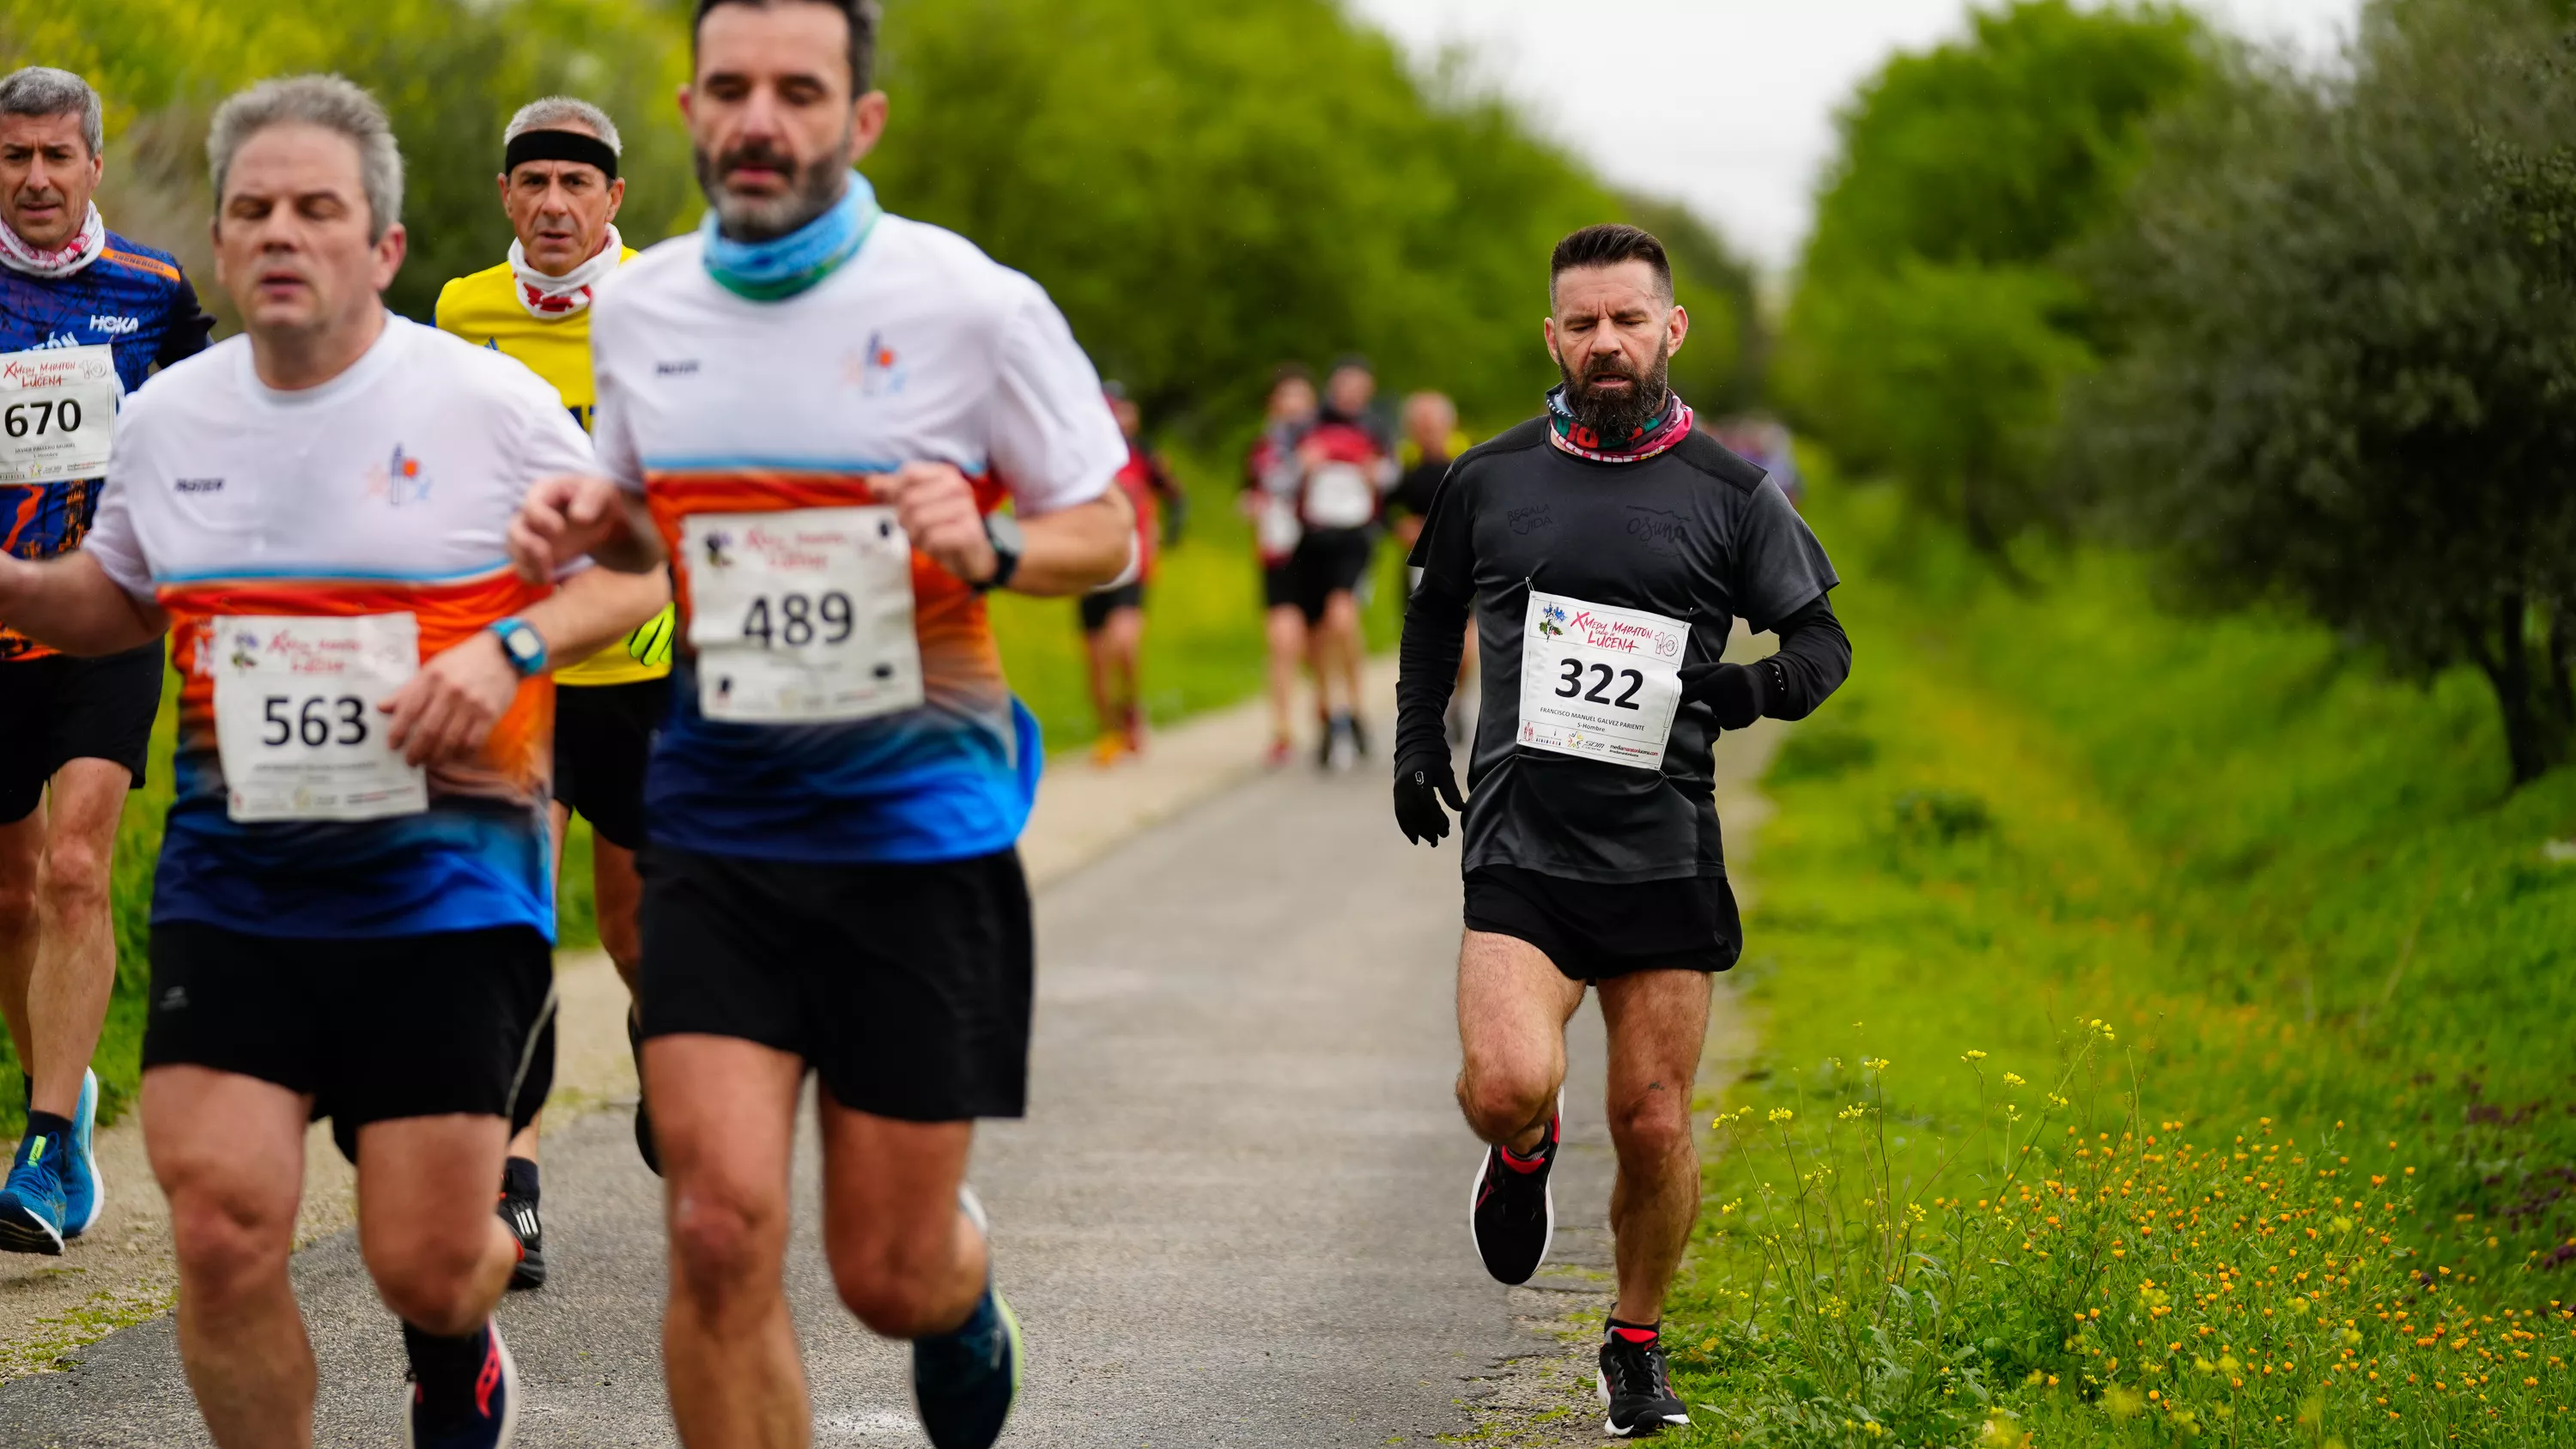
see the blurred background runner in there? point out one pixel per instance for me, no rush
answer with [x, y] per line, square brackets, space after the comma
[1271, 480]
[1113, 620]
[1346, 463]
[1432, 440]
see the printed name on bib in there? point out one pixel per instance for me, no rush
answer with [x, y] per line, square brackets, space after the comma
[1599, 683]
[296, 721]
[802, 616]
[57, 413]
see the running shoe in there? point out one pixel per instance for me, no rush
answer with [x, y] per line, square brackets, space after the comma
[479, 1410]
[1107, 750]
[1636, 1385]
[1281, 751]
[965, 1380]
[1342, 745]
[31, 1206]
[1513, 1212]
[644, 1144]
[519, 1215]
[1359, 735]
[83, 1194]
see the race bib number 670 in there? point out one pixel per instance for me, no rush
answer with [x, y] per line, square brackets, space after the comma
[1598, 682]
[296, 722]
[57, 413]
[802, 616]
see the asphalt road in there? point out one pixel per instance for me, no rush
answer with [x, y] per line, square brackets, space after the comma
[1235, 1216]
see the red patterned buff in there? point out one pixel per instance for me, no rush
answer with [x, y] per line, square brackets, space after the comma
[20, 255]
[1655, 437]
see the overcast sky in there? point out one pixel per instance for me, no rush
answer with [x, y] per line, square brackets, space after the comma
[1725, 104]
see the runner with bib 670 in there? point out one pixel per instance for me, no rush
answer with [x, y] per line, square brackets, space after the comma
[1605, 551]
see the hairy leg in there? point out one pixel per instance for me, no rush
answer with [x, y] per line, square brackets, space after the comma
[1657, 1021]
[229, 1153]
[22, 856]
[1512, 1008]
[725, 1113]
[903, 1255]
[75, 959]
[439, 1255]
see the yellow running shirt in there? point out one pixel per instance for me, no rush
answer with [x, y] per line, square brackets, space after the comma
[484, 309]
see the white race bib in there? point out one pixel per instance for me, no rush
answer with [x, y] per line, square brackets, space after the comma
[57, 413]
[1599, 682]
[1275, 518]
[1340, 495]
[296, 720]
[802, 616]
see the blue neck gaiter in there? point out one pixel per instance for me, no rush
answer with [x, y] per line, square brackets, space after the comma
[768, 271]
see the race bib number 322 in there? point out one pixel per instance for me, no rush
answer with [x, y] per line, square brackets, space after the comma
[296, 721]
[802, 616]
[57, 413]
[1598, 682]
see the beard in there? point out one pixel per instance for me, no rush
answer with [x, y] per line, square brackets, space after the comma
[1616, 415]
[813, 188]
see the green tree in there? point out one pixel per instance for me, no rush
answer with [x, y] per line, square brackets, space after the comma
[1932, 327]
[2346, 304]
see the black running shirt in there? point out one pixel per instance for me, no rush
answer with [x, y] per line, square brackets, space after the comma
[1695, 534]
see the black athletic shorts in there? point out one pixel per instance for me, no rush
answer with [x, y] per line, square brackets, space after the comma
[905, 987]
[372, 1029]
[1593, 932]
[1096, 608]
[1279, 584]
[1330, 561]
[56, 709]
[603, 737]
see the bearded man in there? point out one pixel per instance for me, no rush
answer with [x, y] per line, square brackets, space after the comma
[1605, 551]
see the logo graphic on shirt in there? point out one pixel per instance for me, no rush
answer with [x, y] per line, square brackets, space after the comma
[688, 368]
[1659, 531]
[197, 485]
[877, 372]
[717, 556]
[115, 326]
[58, 339]
[400, 481]
[1551, 620]
[1530, 519]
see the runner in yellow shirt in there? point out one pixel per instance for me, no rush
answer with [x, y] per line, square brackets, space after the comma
[560, 186]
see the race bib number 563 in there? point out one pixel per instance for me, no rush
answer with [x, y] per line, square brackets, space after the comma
[1599, 682]
[802, 616]
[57, 413]
[296, 721]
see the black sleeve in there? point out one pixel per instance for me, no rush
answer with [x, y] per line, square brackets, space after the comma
[1780, 568]
[1814, 660]
[184, 336]
[1435, 631]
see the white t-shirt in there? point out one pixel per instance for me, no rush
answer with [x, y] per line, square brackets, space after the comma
[918, 348]
[387, 490]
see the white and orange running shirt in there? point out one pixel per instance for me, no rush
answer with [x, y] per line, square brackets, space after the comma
[289, 532]
[840, 698]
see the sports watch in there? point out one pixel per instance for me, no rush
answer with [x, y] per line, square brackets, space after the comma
[1003, 532]
[525, 647]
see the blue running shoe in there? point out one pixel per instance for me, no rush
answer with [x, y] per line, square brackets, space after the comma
[474, 1404]
[83, 1193]
[964, 1381]
[31, 1206]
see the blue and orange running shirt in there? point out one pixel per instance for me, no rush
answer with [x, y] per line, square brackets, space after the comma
[388, 490]
[750, 428]
[131, 300]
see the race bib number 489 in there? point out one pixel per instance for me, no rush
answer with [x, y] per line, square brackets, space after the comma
[802, 616]
[1598, 682]
[296, 721]
[57, 413]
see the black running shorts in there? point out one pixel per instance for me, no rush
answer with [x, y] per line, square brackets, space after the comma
[1593, 932]
[1330, 561]
[905, 987]
[1096, 608]
[603, 737]
[371, 1029]
[55, 709]
[1279, 584]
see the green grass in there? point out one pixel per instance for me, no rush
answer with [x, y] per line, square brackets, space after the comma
[1203, 650]
[2331, 953]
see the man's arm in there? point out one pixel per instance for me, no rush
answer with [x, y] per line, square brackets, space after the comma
[184, 336]
[448, 709]
[70, 604]
[571, 516]
[1067, 551]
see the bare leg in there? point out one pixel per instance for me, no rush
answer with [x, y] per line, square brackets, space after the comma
[1657, 1020]
[439, 1255]
[1100, 664]
[725, 1112]
[229, 1153]
[1350, 650]
[22, 856]
[523, 1143]
[615, 892]
[1512, 1008]
[903, 1255]
[75, 959]
[1123, 644]
[1286, 631]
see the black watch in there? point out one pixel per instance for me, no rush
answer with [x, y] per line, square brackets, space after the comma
[1003, 532]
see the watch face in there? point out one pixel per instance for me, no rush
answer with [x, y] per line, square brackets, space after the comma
[1004, 530]
[523, 644]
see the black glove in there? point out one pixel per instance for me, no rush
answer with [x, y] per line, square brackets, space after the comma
[1421, 783]
[1736, 693]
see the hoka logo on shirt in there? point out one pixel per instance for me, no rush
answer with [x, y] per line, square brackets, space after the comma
[107, 326]
[400, 482]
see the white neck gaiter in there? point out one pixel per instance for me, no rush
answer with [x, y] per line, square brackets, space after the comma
[554, 298]
[19, 255]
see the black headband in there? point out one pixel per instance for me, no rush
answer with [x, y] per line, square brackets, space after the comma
[558, 146]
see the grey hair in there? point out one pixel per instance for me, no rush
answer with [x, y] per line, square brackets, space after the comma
[551, 113]
[41, 90]
[332, 103]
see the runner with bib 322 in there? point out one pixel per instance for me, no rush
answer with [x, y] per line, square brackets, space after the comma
[1605, 552]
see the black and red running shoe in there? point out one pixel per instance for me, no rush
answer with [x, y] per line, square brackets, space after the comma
[1513, 1212]
[461, 1400]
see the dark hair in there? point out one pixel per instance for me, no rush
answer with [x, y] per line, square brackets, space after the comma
[1607, 245]
[1291, 372]
[1354, 361]
[861, 14]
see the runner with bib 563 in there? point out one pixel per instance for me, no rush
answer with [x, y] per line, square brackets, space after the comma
[1605, 551]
